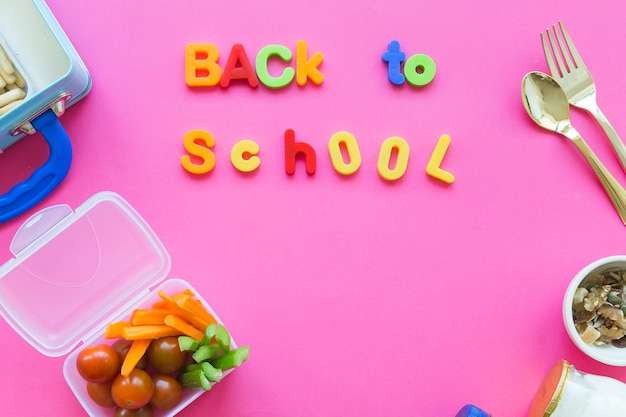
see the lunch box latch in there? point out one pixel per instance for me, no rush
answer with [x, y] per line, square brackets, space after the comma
[58, 106]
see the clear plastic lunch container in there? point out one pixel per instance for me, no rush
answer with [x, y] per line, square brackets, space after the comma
[83, 269]
[39, 64]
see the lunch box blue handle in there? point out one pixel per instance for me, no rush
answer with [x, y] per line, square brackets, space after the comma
[46, 178]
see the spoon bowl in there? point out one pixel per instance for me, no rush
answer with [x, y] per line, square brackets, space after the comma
[545, 101]
[547, 105]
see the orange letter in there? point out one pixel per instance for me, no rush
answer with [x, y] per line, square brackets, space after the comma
[201, 69]
[306, 69]
[200, 150]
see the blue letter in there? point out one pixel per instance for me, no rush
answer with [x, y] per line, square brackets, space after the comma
[394, 58]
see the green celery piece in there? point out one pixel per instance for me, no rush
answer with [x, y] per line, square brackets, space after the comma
[195, 379]
[209, 332]
[232, 359]
[188, 343]
[222, 337]
[192, 367]
[206, 352]
[212, 374]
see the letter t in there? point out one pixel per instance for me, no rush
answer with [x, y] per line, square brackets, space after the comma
[394, 58]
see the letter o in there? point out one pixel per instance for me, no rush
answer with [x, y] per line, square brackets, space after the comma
[352, 149]
[384, 158]
[427, 70]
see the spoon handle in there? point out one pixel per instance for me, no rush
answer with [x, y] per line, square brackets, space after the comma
[615, 191]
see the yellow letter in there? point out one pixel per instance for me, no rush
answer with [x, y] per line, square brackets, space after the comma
[202, 151]
[306, 69]
[244, 156]
[201, 69]
[433, 168]
[352, 149]
[384, 158]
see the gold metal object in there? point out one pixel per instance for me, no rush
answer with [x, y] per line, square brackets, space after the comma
[546, 103]
[568, 69]
[58, 105]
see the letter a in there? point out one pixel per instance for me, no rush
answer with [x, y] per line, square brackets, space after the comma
[238, 67]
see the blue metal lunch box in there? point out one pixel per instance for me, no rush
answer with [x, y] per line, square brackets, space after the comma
[41, 75]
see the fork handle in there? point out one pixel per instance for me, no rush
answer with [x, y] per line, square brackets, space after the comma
[615, 191]
[616, 142]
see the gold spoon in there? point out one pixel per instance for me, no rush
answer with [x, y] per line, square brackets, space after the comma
[547, 105]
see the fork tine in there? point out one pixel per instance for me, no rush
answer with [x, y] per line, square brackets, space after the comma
[565, 49]
[555, 50]
[549, 58]
[575, 55]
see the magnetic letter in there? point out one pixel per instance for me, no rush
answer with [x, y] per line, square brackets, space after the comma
[419, 70]
[201, 69]
[244, 156]
[433, 167]
[394, 58]
[307, 69]
[191, 142]
[352, 150]
[293, 149]
[401, 147]
[261, 66]
[238, 67]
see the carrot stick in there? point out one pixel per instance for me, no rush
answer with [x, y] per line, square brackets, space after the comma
[165, 297]
[194, 307]
[148, 316]
[114, 330]
[149, 331]
[161, 304]
[198, 322]
[135, 353]
[184, 327]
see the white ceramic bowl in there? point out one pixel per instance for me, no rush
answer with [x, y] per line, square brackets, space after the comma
[607, 354]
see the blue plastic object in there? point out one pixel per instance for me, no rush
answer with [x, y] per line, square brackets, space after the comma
[394, 57]
[472, 411]
[26, 194]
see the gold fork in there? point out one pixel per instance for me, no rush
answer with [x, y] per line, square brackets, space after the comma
[568, 69]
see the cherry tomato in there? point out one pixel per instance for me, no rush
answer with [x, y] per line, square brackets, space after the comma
[121, 346]
[101, 393]
[165, 355]
[145, 411]
[98, 363]
[167, 392]
[132, 391]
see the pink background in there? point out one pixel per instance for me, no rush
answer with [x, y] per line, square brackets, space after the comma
[359, 297]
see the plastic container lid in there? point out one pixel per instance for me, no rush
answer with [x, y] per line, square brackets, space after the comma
[74, 271]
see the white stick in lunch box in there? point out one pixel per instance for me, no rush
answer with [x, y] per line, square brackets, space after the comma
[5, 62]
[11, 95]
[9, 78]
[12, 105]
[19, 80]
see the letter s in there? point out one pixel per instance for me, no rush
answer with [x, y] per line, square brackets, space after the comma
[191, 142]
